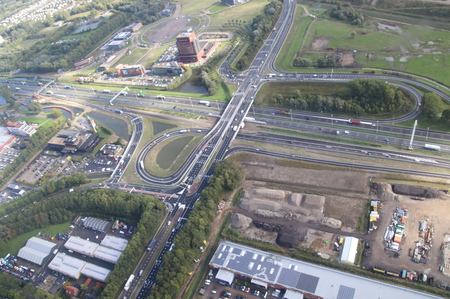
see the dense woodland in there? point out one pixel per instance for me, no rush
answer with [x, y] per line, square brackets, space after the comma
[260, 28]
[178, 263]
[364, 96]
[60, 49]
[143, 210]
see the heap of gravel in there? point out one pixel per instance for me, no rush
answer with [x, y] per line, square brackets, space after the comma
[240, 221]
[425, 192]
[269, 193]
[313, 201]
[254, 204]
[295, 199]
[331, 222]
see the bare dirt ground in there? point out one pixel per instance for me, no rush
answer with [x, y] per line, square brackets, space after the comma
[320, 43]
[347, 59]
[347, 206]
[435, 211]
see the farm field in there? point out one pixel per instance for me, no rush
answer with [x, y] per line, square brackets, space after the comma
[377, 43]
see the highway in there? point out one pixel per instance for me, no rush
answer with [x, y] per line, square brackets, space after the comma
[216, 144]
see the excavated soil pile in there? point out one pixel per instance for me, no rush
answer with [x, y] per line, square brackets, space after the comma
[425, 192]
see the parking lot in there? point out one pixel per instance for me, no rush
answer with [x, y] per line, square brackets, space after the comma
[239, 290]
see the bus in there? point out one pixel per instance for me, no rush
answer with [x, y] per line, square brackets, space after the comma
[128, 284]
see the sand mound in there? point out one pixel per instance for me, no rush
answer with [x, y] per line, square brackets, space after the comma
[240, 221]
[331, 222]
[269, 193]
[257, 203]
[295, 199]
[313, 202]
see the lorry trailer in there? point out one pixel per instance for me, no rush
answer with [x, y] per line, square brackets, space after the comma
[432, 147]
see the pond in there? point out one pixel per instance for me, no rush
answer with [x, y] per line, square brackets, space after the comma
[193, 85]
[169, 153]
[115, 124]
[66, 113]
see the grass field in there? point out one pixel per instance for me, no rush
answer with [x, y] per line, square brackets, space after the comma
[243, 12]
[135, 55]
[153, 56]
[36, 120]
[193, 7]
[14, 245]
[217, 8]
[293, 41]
[410, 48]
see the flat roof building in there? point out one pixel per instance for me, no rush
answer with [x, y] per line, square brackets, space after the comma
[167, 68]
[114, 242]
[37, 250]
[74, 268]
[130, 70]
[95, 272]
[81, 246]
[303, 278]
[67, 265]
[21, 128]
[107, 254]
[349, 250]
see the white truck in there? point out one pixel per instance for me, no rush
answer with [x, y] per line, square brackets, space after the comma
[206, 103]
[432, 147]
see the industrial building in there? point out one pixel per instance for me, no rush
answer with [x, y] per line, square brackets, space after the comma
[5, 138]
[37, 251]
[114, 242]
[130, 70]
[231, 2]
[74, 268]
[189, 49]
[167, 68]
[133, 27]
[107, 254]
[95, 224]
[115, 45]
[83, 61]
[124, 35]
[66, 143]
[349, 250]
[299, 278]
[20, 128]
[67, 265]
[95, 272]
[81, 246]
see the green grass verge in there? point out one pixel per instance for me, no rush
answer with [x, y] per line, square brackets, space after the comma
[14, 245]
[423, 122]
[132, 58]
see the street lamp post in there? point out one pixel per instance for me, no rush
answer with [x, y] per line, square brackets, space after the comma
[331, 119]
[217, 103]
[428, 129]
[191, 102]
[377, 126]
[290, 112]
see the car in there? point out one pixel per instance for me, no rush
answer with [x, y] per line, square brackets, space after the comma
[213, 291]
[386, 140]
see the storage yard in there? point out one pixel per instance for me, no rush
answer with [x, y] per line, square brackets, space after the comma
[407, 223]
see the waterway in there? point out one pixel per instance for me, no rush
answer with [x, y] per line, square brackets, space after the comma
[2, 101]
[115, 124]
[170, 151]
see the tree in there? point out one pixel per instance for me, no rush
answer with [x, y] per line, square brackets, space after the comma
[56, 113]
[446, 114]
[432, 105]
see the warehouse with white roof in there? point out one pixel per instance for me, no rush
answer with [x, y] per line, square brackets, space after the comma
[349, 250]
[74, 267]
[95, 272]
[67, 265]
[81, 246]
[114, 242]
[301, 277]
[37, 250]
[107, 254]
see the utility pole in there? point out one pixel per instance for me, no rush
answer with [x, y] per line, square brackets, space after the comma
[427, 133]
[412, 135]
[331, 119]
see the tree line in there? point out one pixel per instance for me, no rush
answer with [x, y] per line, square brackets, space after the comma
[260, 28]
[142, 210]
[363, 96]
[178, 263]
